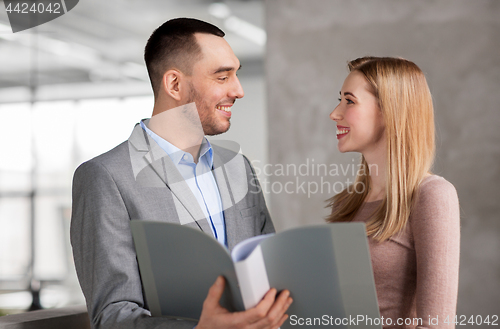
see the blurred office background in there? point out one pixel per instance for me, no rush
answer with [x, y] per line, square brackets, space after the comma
[74, 88]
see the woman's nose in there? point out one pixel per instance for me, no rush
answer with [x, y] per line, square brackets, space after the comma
[336, 114]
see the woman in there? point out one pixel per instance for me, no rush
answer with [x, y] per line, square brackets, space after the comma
[412, 217]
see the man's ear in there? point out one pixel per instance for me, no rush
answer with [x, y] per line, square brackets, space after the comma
[172, 83]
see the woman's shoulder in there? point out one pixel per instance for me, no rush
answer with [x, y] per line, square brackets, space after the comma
[436, 187]
[436, 195]
[435, 218]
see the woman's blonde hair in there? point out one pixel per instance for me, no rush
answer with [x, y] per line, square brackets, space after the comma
[406, 105]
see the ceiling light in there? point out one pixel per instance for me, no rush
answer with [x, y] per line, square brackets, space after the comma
[219, 10]
[246, 30]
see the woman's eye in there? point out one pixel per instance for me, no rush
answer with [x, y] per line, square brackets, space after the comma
[347, 100]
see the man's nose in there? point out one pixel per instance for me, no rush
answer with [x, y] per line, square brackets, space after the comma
[236, 89]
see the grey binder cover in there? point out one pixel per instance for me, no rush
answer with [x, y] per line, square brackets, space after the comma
[178, 265]
[327, 269]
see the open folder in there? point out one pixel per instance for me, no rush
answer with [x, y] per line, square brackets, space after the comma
[326, 268]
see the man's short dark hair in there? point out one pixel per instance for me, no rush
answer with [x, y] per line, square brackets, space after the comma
[173, 45]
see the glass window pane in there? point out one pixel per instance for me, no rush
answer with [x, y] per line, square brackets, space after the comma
[103, 124]
[14, 238]
[53, 136]
[15, 138]
[51, 234]
[15, 182]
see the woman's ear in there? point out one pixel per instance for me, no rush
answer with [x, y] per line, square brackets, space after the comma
[171, 84]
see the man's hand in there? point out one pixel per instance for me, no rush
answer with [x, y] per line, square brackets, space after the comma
[269, 313]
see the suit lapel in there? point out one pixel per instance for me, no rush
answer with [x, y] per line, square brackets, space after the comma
[144, 152]
[229, 186]
[179, 188]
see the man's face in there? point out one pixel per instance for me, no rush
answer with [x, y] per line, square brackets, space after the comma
[214, 84]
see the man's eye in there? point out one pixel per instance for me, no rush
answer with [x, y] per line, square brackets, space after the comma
[223, 78]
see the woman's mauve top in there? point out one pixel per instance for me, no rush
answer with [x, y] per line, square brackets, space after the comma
[416, 271]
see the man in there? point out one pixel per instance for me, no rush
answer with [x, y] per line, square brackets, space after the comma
[168, 171]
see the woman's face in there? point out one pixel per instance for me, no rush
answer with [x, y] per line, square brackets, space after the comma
[360, 124]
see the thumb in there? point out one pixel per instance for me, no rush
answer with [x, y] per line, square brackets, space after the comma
[215, 292]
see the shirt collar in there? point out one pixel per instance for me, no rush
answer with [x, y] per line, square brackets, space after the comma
[176, 154]
[207, 152]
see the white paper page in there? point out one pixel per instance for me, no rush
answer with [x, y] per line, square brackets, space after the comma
[252, 277]
[243, 249]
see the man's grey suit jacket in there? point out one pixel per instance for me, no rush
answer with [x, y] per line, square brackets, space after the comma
[137, 180]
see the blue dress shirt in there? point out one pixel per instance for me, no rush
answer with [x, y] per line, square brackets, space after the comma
[200, 180]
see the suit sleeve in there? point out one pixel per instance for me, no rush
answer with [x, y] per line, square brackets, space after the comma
[105, 257]
[436, 233]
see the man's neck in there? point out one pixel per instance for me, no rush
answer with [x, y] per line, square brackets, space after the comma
[180, 126]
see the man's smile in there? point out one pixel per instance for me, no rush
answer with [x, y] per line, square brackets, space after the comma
[224, 109]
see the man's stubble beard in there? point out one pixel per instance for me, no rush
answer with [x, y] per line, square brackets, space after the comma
[207, 115]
